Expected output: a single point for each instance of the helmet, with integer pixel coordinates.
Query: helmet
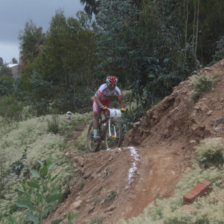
(111, 80)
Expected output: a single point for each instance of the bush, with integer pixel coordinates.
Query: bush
(40, 194)
(202, 83)
(211, 152)
(6, 85)
(11, 108)
(53, 124)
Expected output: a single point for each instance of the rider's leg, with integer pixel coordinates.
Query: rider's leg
(96, 111)
(96, 120)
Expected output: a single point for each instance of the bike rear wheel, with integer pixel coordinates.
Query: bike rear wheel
(92, 144)
(114, 135)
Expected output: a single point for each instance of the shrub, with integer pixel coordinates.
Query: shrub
(6, 85)
(53, 124)
(202, 83)
(211, 152)
(39, 194)
(111, 196)
(11, 108)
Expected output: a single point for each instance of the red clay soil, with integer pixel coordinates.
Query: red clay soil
(119, 184)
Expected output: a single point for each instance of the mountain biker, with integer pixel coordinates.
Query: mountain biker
(101, 101)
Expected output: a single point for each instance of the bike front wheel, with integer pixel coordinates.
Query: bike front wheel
(113, 135)
(92, 144)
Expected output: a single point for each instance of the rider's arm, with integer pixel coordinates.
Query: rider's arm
(118, 91)
(120, 102)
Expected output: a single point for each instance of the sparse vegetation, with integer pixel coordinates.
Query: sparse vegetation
(53, 124)
(211, 152)
(106, 173)
(111, 196)
(81, 184)
(208, 209)
(96, 200)
(202, 82)
(96, 221)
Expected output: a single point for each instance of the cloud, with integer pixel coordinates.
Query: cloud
(14, 14)
(8, 51)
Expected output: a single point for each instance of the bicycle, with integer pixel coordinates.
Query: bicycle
(110, 131)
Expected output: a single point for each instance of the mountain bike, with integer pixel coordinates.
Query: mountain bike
(110, 131)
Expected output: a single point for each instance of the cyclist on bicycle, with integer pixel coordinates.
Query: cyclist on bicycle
(101, 100)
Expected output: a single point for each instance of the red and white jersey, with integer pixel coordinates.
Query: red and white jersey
(105, 91)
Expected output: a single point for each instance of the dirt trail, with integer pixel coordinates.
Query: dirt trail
(118, 184)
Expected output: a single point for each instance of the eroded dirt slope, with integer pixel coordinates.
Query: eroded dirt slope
(119, 184)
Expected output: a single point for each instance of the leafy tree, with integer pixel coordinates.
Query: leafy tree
(145, 47)
(91, 6)
(219, 53)
(31, 42)
(210, 28)
(14, 61)
(63, 70)
(117, 38)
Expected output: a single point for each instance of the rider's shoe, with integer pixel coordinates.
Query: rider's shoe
(96, 137)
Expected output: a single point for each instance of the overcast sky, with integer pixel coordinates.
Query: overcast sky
(15, 13)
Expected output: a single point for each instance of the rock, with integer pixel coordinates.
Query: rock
(77, 204)
(209, 112)
(136, 124)
(68, 154)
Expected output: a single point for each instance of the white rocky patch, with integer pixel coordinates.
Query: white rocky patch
(133, 169)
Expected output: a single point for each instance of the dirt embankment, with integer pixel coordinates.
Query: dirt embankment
(117, 184)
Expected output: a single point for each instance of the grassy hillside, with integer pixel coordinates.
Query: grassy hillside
(23, 143)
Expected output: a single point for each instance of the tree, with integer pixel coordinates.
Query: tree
(91, 6)
(64, 70)
(145, 47)
(116, 37)
(31, 42)
(14, 61)
(5, 70)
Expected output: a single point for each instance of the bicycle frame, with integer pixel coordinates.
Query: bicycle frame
(113, 112)
(110, 131)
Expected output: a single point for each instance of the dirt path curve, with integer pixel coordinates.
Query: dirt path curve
(119, 184)
(159, 171)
